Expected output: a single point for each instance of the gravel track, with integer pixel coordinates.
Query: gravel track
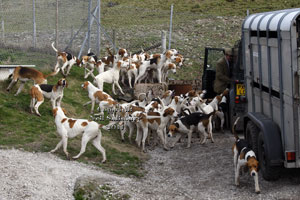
(200, 172)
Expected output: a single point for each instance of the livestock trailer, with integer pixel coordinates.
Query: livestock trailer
(271, 62)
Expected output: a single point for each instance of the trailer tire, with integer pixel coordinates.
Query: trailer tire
(252, 136)
(270, 173)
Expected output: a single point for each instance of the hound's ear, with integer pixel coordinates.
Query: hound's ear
(64, 111)
(165, 113)
(258, 166)
(54, 111)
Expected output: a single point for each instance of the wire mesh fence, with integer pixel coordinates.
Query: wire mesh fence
(124, 24)
(17, 19)
(35, 24)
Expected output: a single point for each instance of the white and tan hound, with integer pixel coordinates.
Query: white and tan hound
(53, 92)
(110, 76)
(244, 156)
(70, 128)
(98, 96)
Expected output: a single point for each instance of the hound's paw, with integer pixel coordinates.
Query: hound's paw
(257, 191)
(75, 157)
(166, 148)
(103, 161)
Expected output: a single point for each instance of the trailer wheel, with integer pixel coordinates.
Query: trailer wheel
(269, 173)
(252, 136)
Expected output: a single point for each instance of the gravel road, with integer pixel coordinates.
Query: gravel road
(201, 172)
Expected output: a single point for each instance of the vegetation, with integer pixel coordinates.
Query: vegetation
(96, 191)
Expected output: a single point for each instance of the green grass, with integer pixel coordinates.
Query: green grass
(104, 192)
(21, 129)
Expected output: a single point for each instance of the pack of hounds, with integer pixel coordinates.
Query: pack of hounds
(160, 117)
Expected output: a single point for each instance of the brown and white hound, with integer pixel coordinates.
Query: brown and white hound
(67, 59)
(70, 128)
(24, 74)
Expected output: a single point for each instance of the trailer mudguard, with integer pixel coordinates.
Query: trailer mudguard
(272, 137)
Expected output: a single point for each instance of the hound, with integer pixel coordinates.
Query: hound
(243, 155)
(222, 109)
(89, 62)
(24, 74)
(156, 62)
(109, 60)
(168, 66)
(53, 92)
(167, 97)
(110, 76)
(67, 59)
(156, 121)
(98, 96)
(132, 72)
(70, 128)
(189, 124)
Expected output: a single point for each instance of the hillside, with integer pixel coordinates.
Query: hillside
(23, 130)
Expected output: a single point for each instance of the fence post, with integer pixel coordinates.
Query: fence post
(98, 28)
(170, 33)
(86, 35)
(89, 24)
(114, 41)
(34, 24)
(2, 22)
(56, 26)
(3, 33)
(72, 35)
(163, 41)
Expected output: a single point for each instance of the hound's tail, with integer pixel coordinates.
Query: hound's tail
(233, 129)
(54, 47)
(51, 74)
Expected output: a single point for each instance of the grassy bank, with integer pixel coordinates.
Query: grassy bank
(23, 130)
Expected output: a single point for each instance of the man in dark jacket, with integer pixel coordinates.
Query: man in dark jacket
(223, 72)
